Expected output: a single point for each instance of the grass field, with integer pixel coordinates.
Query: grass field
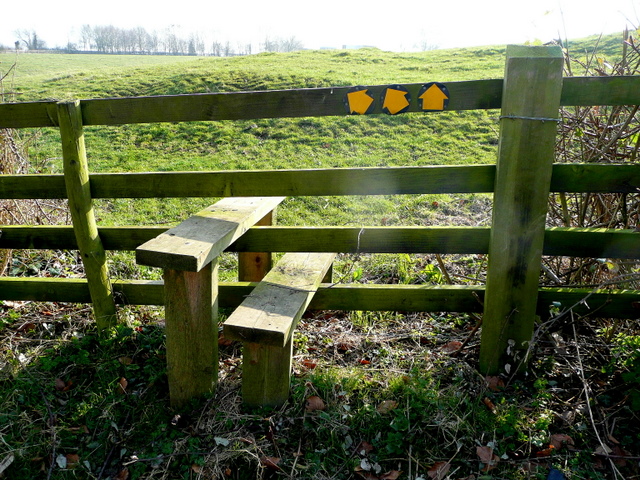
(375, 396)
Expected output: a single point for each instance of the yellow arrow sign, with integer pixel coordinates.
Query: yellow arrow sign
(434, 96)
(395, 100)
(359, 101)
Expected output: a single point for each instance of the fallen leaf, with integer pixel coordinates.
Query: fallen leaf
(195, 468)
(270, 462)
(387, 406)
(489, 404)
(72, 460)
(494, 383)
(620, 453)
(60, 384)
(487, 457)
(314, 403)
(121, 388)
(125, 360)
(364, 448)
(365, 362)
(559, 440)
(366, 474)
(122, 474)
(310, 364)
(546, 452)
(452, 346)
(439, 470)
(391, 475)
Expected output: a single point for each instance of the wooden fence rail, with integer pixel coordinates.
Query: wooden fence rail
(529, 97)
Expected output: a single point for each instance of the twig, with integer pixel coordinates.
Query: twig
(53, 434)
(585, 386)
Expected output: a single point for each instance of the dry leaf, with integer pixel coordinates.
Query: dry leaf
(386, 406)
(364, 448)
(494, 383)
(487, 457)
(439, 470)
(125, 360)
(72, 460)
(366, 474)
(452, 346)
(60, 384)
(559, 440)
(310, 364)
(391, 475)
(195, 468)
(314, 403)
(489, 404)
(122, 474)
(270, 462)
(121, 388)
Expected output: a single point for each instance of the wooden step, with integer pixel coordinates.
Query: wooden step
(265, 322)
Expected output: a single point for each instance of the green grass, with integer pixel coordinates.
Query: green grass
(386, 379)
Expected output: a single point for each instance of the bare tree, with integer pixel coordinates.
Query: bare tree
(31, 39)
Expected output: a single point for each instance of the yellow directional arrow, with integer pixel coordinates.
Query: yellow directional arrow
(395, 100)
(359, 102)
(433, 98)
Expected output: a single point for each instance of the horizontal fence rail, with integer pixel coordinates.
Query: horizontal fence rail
(570, 242)
(569, 178)
(363, 297)
(467, 95)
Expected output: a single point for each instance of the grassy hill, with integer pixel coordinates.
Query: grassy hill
(395, 402)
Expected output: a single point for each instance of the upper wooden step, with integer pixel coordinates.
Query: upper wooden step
(199, 239)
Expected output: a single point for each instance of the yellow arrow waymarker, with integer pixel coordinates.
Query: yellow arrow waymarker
(395, 101)
(434, 97)
(359, 102)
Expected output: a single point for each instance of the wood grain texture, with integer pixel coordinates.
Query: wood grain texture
(402, 298)
(191, 311)
(201, 238)
(532, 89)
(76, 175)
(270, 314)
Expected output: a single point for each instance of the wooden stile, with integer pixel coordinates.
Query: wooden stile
(265, 322)
(188, 253)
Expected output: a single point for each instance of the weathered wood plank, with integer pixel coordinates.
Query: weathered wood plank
(76, 175)
(612, 90)
(531, 97)
(570, 242)
(571, 178)
(265, 322)
(253, 265)
(402, 298)
(467, 95)
(270, 314)
(191, 314)
(202, 237)
(299, 182)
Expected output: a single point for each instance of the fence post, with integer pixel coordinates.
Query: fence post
(191, 310)
(76, 175)
(530, 109)
(253, 266)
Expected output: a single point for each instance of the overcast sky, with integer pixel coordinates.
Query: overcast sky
(391, 25)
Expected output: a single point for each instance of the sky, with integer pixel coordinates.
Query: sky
(401, 25)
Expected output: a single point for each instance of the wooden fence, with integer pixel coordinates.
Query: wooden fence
(529, 96)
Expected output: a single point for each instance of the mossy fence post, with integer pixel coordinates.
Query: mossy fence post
(76, 175)
(528, 125)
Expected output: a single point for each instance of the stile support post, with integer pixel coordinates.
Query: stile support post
(528, 125)
(76, 176)
(253, 266)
